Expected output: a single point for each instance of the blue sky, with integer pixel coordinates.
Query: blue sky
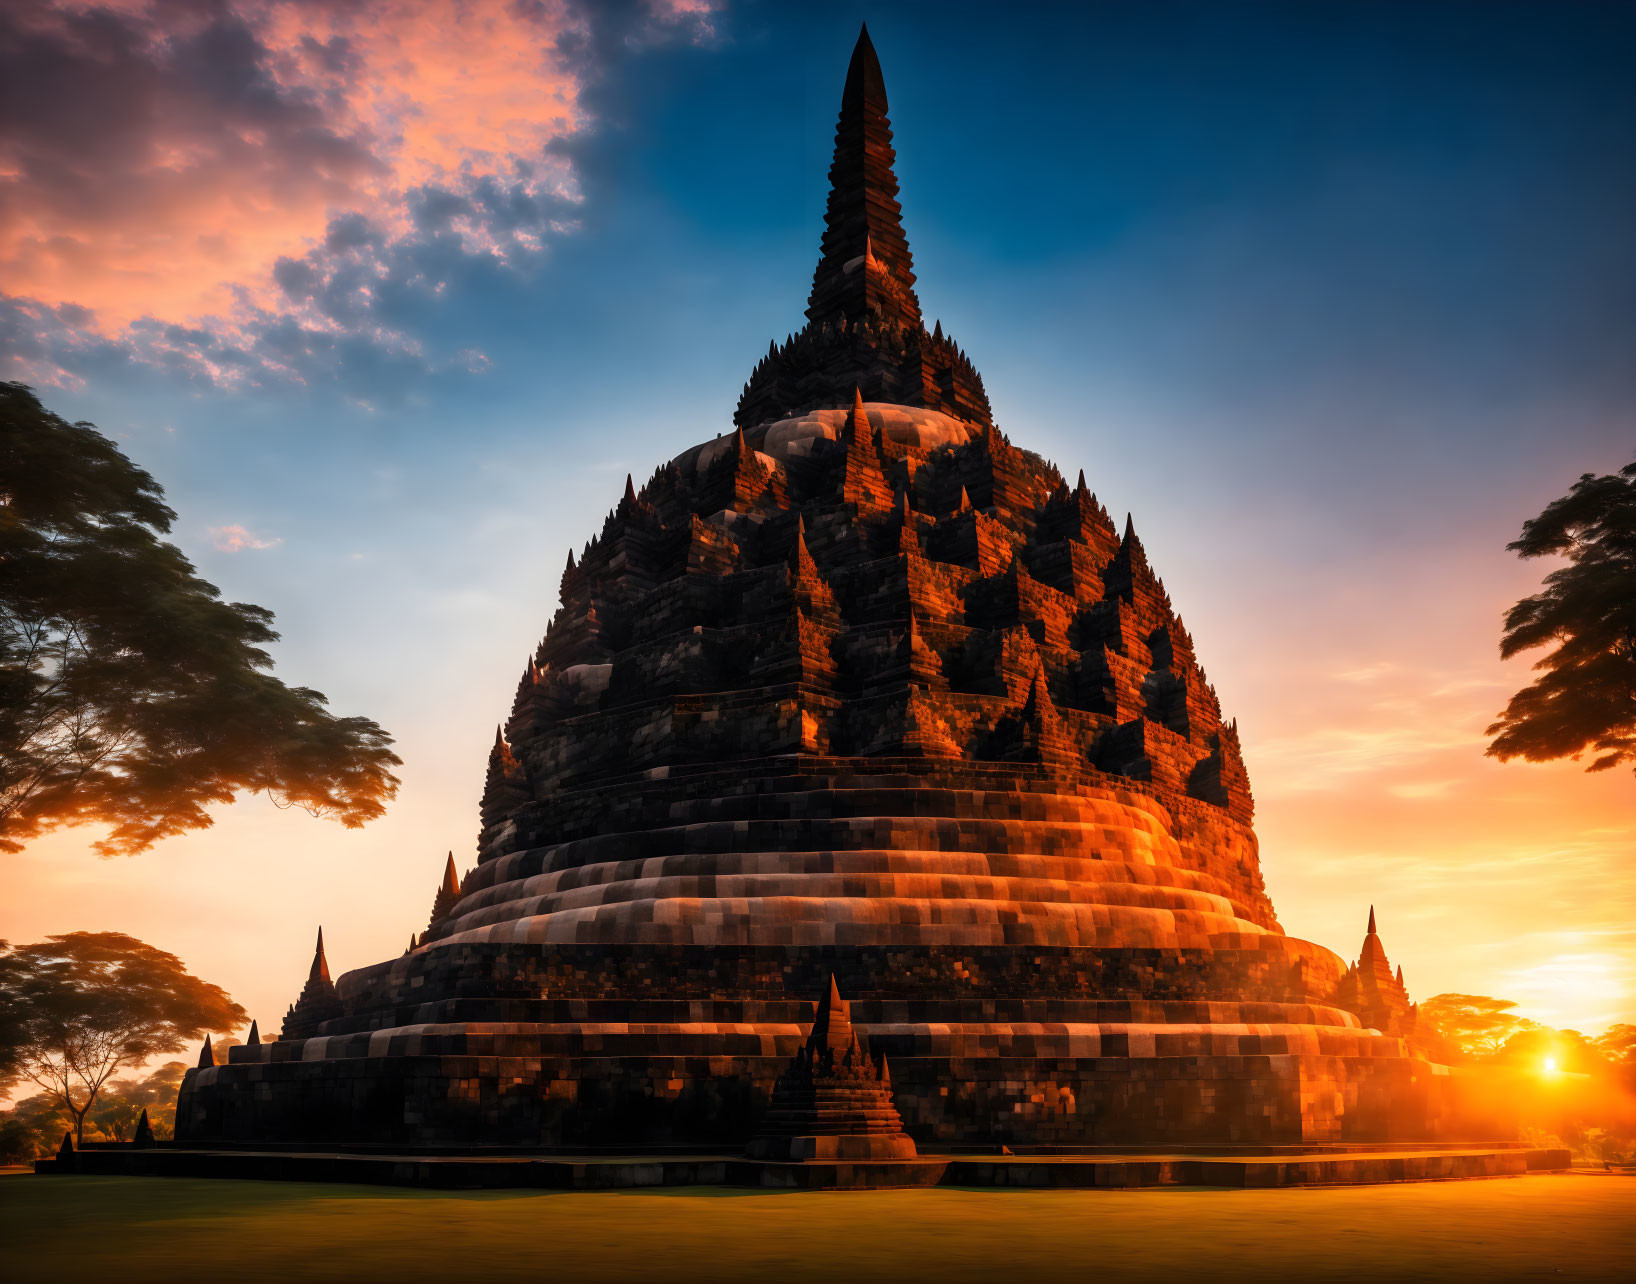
(1331, 296)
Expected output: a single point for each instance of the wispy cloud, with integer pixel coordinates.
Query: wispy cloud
(1585, 991)
(1367, 672)
(235, 539)
(1421, 789)
(1329, 757)
(244, 190)
(1414, 732)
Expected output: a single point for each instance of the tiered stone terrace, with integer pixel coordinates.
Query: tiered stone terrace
(860, 688)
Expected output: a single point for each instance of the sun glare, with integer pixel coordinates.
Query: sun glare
(1550, 1065)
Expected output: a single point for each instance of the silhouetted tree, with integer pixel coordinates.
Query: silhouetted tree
(1585, 696)
(1474, 1024)
(88, 1003)
(129, 692)
(33, 1127)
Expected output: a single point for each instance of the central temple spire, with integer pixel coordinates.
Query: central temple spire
(865, 265)
(864, 332)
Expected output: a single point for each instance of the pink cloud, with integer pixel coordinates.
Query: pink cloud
(172, 153)
(235, 539)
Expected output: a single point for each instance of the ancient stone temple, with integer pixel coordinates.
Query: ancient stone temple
(866, 783)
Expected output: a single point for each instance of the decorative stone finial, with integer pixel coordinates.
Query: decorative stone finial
(832, 1026)
(448, 893)
(320, 964)
(832, 1102)
(253, 1039)
(318, 1001)
(862, 482)
(207, 1054)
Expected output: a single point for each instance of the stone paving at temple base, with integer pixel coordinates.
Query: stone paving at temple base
(1572, 1227)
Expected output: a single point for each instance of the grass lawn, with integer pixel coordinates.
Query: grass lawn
(133, 1229)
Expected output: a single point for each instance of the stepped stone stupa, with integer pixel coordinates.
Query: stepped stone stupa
(860, 738)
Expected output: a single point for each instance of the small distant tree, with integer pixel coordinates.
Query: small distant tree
(1585, 696)
(121, 1102)
(32, 1129)
(1475, 1024)
(89, 1003)
(130, 693)
(1617, 1044)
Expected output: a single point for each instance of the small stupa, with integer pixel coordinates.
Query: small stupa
(319, 1001)
(833, 1102)
(1374, 992)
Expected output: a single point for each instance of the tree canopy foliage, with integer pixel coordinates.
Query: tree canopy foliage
(82, 1005)
(1585, 696)
(1474, 1024)
(33, 1127)
(130, 693)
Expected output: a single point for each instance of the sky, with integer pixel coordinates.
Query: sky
(390, 296)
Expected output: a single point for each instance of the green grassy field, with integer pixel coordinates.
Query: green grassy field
(132, 1229)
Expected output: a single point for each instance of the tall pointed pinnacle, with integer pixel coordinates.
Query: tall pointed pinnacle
(832, 1026)
(318, 1001)
(800, 558)
(1373, 955)
(320, 964)
(864, 267)
(253, 1039)
(1039, 707)
(207, 1055)
(863, 482)
(505, 787)
(448, 893)
(857, 422)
